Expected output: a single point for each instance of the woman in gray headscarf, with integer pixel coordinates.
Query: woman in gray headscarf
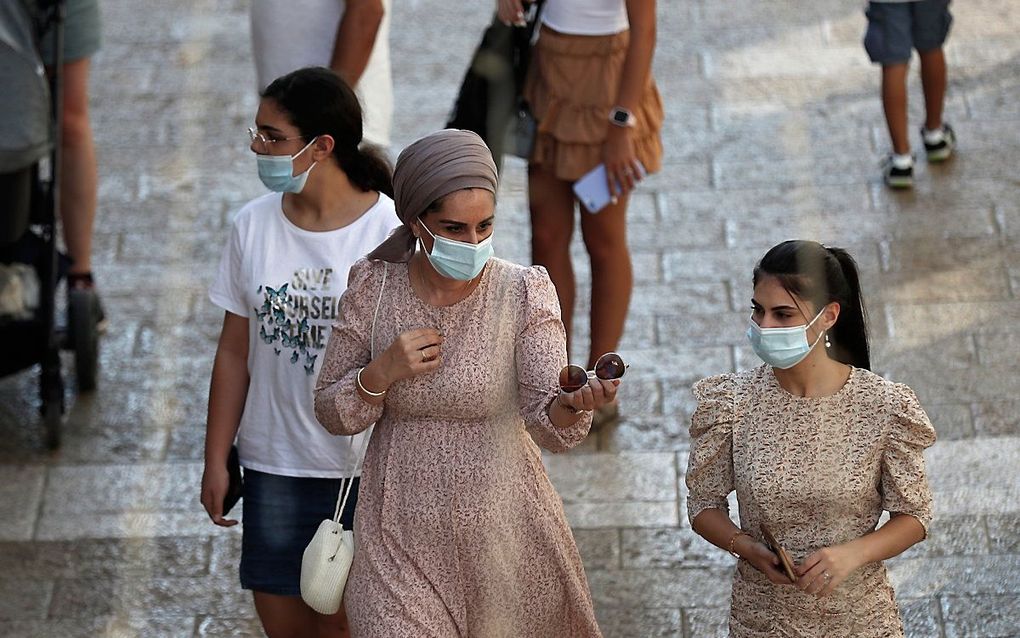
(455, 356)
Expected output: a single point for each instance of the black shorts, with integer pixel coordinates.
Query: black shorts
(895, 28)
(280, 516)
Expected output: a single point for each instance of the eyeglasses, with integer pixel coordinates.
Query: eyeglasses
(609, 366)
(259, 137)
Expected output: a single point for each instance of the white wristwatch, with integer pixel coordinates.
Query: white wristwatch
(622, 117)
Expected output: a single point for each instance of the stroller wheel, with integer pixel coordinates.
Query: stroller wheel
(83, 313)
(53, 414)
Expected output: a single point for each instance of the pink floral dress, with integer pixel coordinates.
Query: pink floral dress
(458, 530)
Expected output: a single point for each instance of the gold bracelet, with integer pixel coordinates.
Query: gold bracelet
(357, 381)
(733, 539)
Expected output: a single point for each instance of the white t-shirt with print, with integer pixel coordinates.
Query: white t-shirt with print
(288, 282)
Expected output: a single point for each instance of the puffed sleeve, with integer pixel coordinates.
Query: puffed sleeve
(338, 405)
(904, 482)
(710, 465)
(541, 353)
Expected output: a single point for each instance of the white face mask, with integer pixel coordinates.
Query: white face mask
(277, 171)
(782, 348)
(457, 259)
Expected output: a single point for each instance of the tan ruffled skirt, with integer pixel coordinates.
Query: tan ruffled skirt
(572, 85)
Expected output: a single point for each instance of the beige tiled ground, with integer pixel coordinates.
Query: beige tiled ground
(774, 130)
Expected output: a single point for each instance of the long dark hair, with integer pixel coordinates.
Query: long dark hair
(824, 274)
(318, 102)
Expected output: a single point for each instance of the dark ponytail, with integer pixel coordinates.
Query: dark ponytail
(823, 275)
(318, 102)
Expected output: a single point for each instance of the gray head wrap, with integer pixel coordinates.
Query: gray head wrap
(433, 167)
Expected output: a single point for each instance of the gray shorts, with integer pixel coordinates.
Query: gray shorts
(82, 32)
(894, 28)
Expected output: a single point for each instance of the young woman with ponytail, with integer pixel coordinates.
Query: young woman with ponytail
(280, 280)
(816, 447)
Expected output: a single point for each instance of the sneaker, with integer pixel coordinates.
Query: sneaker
(896, 177)
(943, 149)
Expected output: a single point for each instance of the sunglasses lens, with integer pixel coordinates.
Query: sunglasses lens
(573, 378)
(610, 366)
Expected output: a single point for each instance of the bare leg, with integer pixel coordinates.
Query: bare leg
(290, 617)
(552, 226)
(79, 180)
(933, 79)
(612, 277)
(894, 101)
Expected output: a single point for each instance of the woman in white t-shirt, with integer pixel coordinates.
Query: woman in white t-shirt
(591, 89)
(280, 280)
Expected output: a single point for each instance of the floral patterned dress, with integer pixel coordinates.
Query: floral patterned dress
(819, 472)
(459, 531)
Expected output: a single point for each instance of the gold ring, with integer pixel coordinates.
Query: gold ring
(827, 575)
(423, 357)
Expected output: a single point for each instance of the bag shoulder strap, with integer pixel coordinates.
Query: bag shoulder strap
(345, 487)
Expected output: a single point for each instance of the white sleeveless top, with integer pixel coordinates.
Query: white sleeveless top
(586, 17)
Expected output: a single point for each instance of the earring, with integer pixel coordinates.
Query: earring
(828, 344)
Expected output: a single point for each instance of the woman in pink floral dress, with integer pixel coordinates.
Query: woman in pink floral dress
(459, 531)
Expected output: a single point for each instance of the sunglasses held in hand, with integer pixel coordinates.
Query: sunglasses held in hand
(609, 366)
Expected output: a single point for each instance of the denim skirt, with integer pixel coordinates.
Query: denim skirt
(279, 518)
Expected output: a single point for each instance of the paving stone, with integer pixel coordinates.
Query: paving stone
(224, 627)
(773, 127)
(670, 548)
(969, 477)
(646, 433)
(607, 478)
(226, 550)
(953, 536)
(1004, 533)
(607, 515)
(984, 383)
(105, 626)
(920, 618)
(954, 576)
(952, 421)
(997, 418)
(708, 622)
(639, 623)
(156, 596)
(998, 348)
(21, 488)
(105, 558)
(22, 599)
(987, 616)
(633, 588)
(600, 548)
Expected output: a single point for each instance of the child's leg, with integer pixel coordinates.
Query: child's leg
(933, 79)
(888, 42)
(929, 29)
(894, 102)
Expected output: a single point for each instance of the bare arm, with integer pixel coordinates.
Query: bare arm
(355, 38)
(618, 153)
(899, 534)
(715, 526)
(227, 393)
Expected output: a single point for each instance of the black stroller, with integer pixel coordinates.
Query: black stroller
(30, 266)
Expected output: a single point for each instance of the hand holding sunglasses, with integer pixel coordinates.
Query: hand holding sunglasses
(585, 390)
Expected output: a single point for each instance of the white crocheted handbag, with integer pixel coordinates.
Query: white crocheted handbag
(328, 557)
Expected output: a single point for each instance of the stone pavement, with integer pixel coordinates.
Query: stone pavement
(774, 131)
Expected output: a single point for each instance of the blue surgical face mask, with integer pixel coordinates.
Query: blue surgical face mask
(277, 171)
(782, 347)
(457, 259)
